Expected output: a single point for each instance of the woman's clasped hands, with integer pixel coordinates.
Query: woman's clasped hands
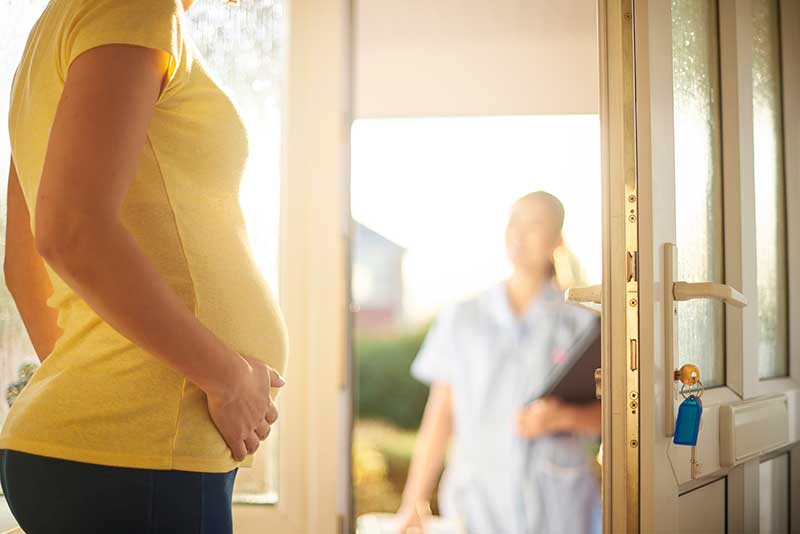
(245, 413)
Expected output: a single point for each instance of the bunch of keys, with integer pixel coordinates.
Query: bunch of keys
(687, 426)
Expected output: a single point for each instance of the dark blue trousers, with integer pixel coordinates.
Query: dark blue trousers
(50, 495)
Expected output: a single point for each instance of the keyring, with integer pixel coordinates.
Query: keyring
(685, 393)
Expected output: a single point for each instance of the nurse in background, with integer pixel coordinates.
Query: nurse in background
(515, 466)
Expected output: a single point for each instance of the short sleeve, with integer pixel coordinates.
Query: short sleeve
(150, 23)
(435, 360)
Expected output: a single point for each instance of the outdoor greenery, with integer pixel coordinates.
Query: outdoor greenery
(386, 390)
(390, 406)
(381, 458)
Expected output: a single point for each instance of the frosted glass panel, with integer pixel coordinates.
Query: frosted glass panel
(244, 46)
(773, 496)
(698, 181)
(770, 193)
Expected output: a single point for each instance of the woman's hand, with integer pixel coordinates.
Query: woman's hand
(542, 416)
(245, 413)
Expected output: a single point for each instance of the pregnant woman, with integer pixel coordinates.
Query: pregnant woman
(128, 258)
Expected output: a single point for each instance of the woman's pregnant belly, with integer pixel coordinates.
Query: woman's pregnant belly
(234, 301)
(232, 296)
(236, 304)
(100, 398)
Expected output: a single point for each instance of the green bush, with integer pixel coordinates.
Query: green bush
(385, 387)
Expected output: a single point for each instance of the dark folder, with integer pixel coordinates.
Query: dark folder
(573, 379)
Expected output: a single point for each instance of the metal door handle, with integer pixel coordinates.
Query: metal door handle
(708, 290)
(589, 297)
(677, 292)
(585, 294)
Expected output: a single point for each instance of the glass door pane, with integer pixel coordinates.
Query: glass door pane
(698, 181)
(769, 191)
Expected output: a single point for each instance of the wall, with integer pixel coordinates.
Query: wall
(475, 57)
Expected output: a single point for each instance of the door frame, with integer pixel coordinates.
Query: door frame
(620, 325)
(314, 450)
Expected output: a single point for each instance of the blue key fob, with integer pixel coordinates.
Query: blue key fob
(688, 424)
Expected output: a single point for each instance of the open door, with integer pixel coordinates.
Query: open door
(700, 119)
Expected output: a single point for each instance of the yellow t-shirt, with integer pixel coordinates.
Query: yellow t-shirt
(98, 397)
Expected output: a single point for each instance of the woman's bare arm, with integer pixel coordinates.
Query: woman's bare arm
(429, 449)
(25, 274)
(96, 140)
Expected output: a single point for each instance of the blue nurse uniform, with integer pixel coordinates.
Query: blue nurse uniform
(495, 481)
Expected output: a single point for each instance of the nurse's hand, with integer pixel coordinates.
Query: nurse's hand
(245, 413)
(541, 417)
(408, 521)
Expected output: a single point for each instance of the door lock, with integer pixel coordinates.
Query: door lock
(586, 297)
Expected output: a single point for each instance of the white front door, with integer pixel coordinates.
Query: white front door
(702, 262)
